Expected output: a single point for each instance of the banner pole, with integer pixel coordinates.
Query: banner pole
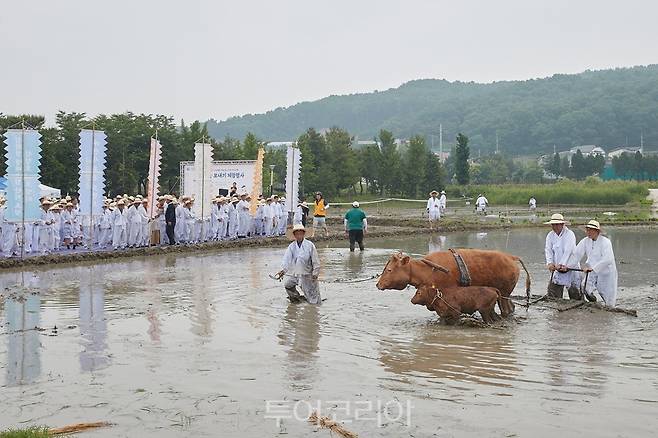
(23, 189)
(91, 188)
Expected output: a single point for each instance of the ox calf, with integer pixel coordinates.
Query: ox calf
(450, 303)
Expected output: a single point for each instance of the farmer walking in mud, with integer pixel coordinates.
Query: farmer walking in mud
(301, 265)
(599, 263)
(560, 243)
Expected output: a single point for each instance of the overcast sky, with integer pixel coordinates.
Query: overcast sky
(197, 59)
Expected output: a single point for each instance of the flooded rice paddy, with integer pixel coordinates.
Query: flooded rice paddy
(208, 346)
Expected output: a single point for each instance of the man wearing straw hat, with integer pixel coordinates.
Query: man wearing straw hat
(44, 227)
(560, 243)
(443, 202)
(120, 225)
(433, 209)
(301, 263)
(599, 264)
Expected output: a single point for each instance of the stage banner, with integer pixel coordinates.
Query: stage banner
(222, 176)
(293, 169)
(257, 187)
(203, 190)
(23, 153)
(153, 189)
(93, 148)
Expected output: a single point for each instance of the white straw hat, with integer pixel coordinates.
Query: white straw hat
(557, 218)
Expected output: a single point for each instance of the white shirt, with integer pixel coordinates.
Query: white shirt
(301, 260)
(120, 217)
(433, 204)
(481, 201)
(558, 249)
(443, 200)
(599, 255)
(532, 203)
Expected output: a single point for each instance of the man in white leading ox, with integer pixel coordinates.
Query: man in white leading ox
(599, 263)
(560, 243)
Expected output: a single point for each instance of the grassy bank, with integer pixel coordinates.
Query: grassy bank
(30, 432)
(592, 191)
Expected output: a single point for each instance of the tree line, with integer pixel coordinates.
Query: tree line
(608, 108)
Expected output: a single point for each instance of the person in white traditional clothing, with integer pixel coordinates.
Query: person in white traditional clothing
(244, 218)
(134, 224)
(270, 217)
(433, 209)
(44, 227)
(481, 204)
(560, 243)
(105, 227)
(259, 218)
(57, 227)
(119, 226)
(233, 218)
(282, 222)
(599, 263)
(301, 265)
(443, 202)
(145, 234)
(222, 218)
(68, 225)
(532, 204)
(160, 221)
(214, 219)
(190, 220)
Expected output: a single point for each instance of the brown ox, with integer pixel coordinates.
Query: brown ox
(439, 269)
(450, 303)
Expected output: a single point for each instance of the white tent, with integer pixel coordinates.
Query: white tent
(50, 192)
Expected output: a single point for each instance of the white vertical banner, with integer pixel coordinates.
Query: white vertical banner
(153, 189)
(293, 170)
(203, 191)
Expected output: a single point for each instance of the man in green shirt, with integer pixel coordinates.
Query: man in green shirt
(355, 225)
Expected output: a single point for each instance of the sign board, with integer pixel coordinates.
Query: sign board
(222, 176)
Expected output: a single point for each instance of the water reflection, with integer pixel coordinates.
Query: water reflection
(93, 327)
(23, 341)
(300, 331)
(453, 354)
(437, 243)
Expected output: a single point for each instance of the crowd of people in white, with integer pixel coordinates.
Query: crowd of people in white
(128, 222)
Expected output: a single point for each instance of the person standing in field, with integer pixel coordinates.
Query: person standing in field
(356, 226)
(532, 204)
(599, 263)
(320, 213)
(433, 209)
(443, 202)
(481, 204)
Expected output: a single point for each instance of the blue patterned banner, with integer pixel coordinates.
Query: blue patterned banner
(23, 160)
(92, 171)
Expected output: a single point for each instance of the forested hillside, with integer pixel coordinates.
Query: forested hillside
(608, 108)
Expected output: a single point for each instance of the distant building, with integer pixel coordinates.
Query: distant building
(616, 153)
(588, 150)
(443, 156)
(279, 144)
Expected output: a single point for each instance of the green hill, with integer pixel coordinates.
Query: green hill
(607, 108)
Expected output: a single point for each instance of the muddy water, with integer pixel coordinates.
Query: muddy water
(208, 346)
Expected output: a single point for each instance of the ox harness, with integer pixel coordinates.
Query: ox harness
(464, 276)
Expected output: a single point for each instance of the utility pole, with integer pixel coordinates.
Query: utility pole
(641, 142)
(441, 142)
(497, 150)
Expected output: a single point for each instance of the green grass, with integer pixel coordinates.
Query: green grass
(29, 432)
(592, 191)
